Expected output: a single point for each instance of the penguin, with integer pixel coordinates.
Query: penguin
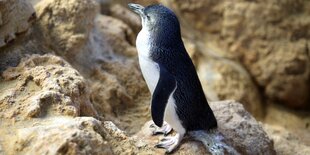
(178, 101)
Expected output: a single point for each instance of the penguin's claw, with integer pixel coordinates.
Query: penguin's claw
(152, 125)
(169, 143)
(165, 129)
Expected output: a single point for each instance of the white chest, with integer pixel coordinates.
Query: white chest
(149, 68)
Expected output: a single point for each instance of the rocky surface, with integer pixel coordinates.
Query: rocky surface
(62, 135)
(16, 16)
(66, 37)
(73, 83)
(286, 142)
(221, 80)
(43, 85)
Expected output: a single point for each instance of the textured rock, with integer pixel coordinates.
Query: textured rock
(16, 16)
(294, 121)
(269, 37)
(117, 34)
(226, 79)
(62, 136)
(285, 142)
(66, 36)
(277, 42)
(41, 86)
(127, 16)
(116, 79)
(239, 129)
(99, 47)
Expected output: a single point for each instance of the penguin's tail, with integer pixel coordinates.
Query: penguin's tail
(213, 141)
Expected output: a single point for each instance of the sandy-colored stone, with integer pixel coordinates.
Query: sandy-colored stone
(41, 86)
(54, 135)
(225, 79)
(294, 121)
(117, 82)
(62, 135)
(66, 24)
(127, 16)
(276, 57)
(285, 142)
(16, 17)
(117, 34)
(241, 129)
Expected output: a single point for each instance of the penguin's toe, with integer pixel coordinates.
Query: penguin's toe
(169, 143)
(165, 129)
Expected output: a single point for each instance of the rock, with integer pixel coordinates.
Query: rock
(285, 142)
(66, 37)
(269, 38)
(62, 136)
(239, 129)
(277, 62)
(288, 69)
(16, 17)
(116, 78)
(41, 86)
(105, 6)
(225, 79)
(100, 48)
(294, 121)
(117, 34)
(127, 16)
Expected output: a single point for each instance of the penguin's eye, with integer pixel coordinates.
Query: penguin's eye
(148, 17)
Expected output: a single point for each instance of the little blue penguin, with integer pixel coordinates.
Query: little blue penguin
(178, 101)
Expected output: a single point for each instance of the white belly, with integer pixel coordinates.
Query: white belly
(149, 68)
(150, 72)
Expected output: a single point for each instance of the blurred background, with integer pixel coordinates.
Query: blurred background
(256, 52)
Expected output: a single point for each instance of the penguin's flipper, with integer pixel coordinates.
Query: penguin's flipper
(164, 88)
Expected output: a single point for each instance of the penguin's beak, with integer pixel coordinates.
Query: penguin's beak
(139, 9)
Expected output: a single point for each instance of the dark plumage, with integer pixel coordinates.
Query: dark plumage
(167, 49)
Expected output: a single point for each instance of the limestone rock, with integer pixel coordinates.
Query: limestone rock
(66, 24)
(239, 129)
(16, 16)
(117, 34)
(117, 82)
(62, 135)
(127, 16)
(225, 79)
(294, 121)
(40, 86)
(285, 142)
(273, 46)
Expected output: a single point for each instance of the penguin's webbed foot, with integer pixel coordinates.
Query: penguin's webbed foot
(165, 129)
(170, 143)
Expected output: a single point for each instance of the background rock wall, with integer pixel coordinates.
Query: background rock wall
(70, 75)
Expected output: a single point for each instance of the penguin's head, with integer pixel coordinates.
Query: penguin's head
(158, 19)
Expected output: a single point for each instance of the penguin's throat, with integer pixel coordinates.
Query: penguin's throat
(144, 43)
